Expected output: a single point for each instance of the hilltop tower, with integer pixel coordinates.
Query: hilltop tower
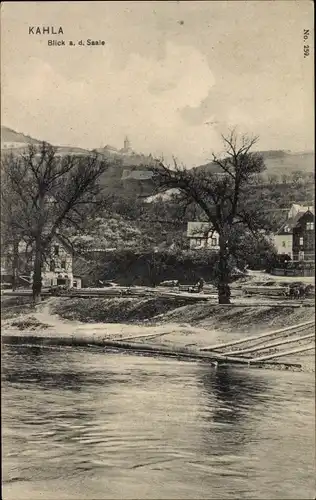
(127, 146)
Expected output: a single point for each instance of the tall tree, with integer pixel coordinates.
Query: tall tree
(13, 229)
(50, 191)
(224, 195)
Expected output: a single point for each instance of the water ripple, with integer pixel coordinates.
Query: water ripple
(84, 424)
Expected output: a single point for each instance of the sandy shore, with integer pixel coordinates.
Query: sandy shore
(192, 326)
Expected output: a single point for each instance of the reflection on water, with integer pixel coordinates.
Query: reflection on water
(85, 424)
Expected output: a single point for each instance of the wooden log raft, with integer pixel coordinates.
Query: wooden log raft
(271, 344)
(281, 354)
(255, 337)
(158, 350)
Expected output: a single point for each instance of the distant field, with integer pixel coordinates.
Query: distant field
(279, 162)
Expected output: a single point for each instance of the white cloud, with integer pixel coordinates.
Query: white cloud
(110, 102)
(152, 67)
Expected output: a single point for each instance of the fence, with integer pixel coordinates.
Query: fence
(295, 268)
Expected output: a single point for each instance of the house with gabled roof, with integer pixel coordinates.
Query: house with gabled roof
(202, 235)
(57, 266)
(296, 236)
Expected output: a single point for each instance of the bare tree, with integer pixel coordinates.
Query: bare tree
(224, 196)
(50, 191)
(13, 229)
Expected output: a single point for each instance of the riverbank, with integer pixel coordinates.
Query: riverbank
(245, 317)
(152, 321)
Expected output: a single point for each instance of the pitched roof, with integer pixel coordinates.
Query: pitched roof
(288, 225)
(198, 229)
(296, 208)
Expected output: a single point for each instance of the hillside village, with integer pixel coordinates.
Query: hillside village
(155, 231)
(157, 250)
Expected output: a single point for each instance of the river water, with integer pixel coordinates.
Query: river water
(87, 424)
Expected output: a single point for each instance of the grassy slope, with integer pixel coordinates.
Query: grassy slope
(242, 319)
(14, 306)
(115, 310)
(138, 310)
(195, 325)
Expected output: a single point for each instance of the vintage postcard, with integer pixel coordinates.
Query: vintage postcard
(158, 250)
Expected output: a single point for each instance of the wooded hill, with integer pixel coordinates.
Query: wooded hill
(131, 176)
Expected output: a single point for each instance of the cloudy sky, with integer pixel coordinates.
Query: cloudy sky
(171, 75)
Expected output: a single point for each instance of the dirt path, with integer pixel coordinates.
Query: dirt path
(192, 326)
(43, 322)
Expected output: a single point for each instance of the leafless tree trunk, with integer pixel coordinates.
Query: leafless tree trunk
(37, 271)
(223, 194)
(223, 271)
(15, 263)
(51, 192)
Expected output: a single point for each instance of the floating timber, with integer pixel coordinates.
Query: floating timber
(281, 354)
(272, 344)
(260, 336)
(255, 344)
(144, 349)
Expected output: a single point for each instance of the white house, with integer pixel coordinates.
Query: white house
(283, 242)
(57, 268)
(202, 235)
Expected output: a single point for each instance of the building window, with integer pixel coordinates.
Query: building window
(63, 264)
(56, 250)
(283, 244)
(301, 240)
(213, 242)
(310, 226)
